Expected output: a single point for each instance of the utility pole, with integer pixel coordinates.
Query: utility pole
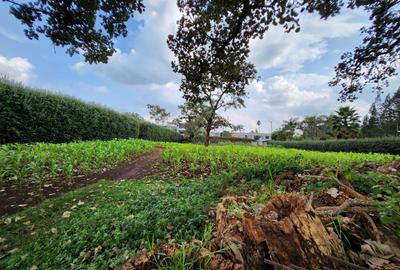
(271, 128)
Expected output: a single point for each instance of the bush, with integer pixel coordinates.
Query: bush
(388, 145)
(28, 115)
(153, 132)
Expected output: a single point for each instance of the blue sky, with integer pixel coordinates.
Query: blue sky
(294, 68)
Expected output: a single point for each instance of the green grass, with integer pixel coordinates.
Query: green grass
(116, 216)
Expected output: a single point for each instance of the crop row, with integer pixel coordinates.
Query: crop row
(389, 145)
(40, 161)
(257, 161)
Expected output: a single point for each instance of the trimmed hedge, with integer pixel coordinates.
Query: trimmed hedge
(387, 145)
(149, 131)
(28, 115)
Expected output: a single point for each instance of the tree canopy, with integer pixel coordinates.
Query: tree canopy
(86, 27)
(346, 123)
(383, 118)
(158, 114)
(239, 21)
(195, 116)
(214, 76)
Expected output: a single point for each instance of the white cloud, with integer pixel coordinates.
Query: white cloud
(145, 68)
(290, 51)
(100, 89)
(279, 98)
(10, 35)
(149, 59)
(17, 69)
(168, 93)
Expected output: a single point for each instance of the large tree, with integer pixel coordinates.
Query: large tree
(316, 127)
(158, 114)
(214, 76)
(377, 58)
(346, 123)
(195, 116)
(87, 27)
(371, 126)
(287, 130)
(372, 62)
(383, 118)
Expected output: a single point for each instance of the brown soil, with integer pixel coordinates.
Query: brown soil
(14, 198)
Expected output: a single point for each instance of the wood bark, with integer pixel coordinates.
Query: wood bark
(286, 231)
(292, 232)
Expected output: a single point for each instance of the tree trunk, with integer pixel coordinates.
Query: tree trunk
(207, 138)
(208, 130)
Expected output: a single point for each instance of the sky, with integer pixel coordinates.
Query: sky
(293, 69)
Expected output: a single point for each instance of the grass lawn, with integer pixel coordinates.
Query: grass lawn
(98, 226)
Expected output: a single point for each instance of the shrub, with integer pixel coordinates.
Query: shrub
(149, 131)
(388, 145)
(28, 115)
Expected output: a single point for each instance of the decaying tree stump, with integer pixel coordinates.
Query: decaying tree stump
(286, 230)
(292, 232)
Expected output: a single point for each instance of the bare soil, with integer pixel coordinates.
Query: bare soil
(14, 198)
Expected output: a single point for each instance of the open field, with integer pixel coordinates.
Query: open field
(108, 223)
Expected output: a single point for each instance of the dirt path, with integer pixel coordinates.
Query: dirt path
(14, 199)
(134, 169)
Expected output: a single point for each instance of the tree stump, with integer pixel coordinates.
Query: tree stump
(292, 233)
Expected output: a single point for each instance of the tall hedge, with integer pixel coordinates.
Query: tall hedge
(388, 145)
(149, 131)
(28, 115)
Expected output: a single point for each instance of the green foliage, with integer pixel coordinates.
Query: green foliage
(383, 118)
(27, 115)
(386, 191)
(346, 123)
(188, 256)
(87, 27)
(287, 131)
(150, 131)
(214, 77)
(158, 114)
(111, 221)
(387, 145)
(250, 162)
(317, 127)
(115, 216)
(41, 162)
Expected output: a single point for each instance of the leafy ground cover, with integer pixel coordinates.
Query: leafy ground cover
(102, 225)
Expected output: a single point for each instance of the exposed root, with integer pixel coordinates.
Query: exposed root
(336, 210)
(375, 230)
